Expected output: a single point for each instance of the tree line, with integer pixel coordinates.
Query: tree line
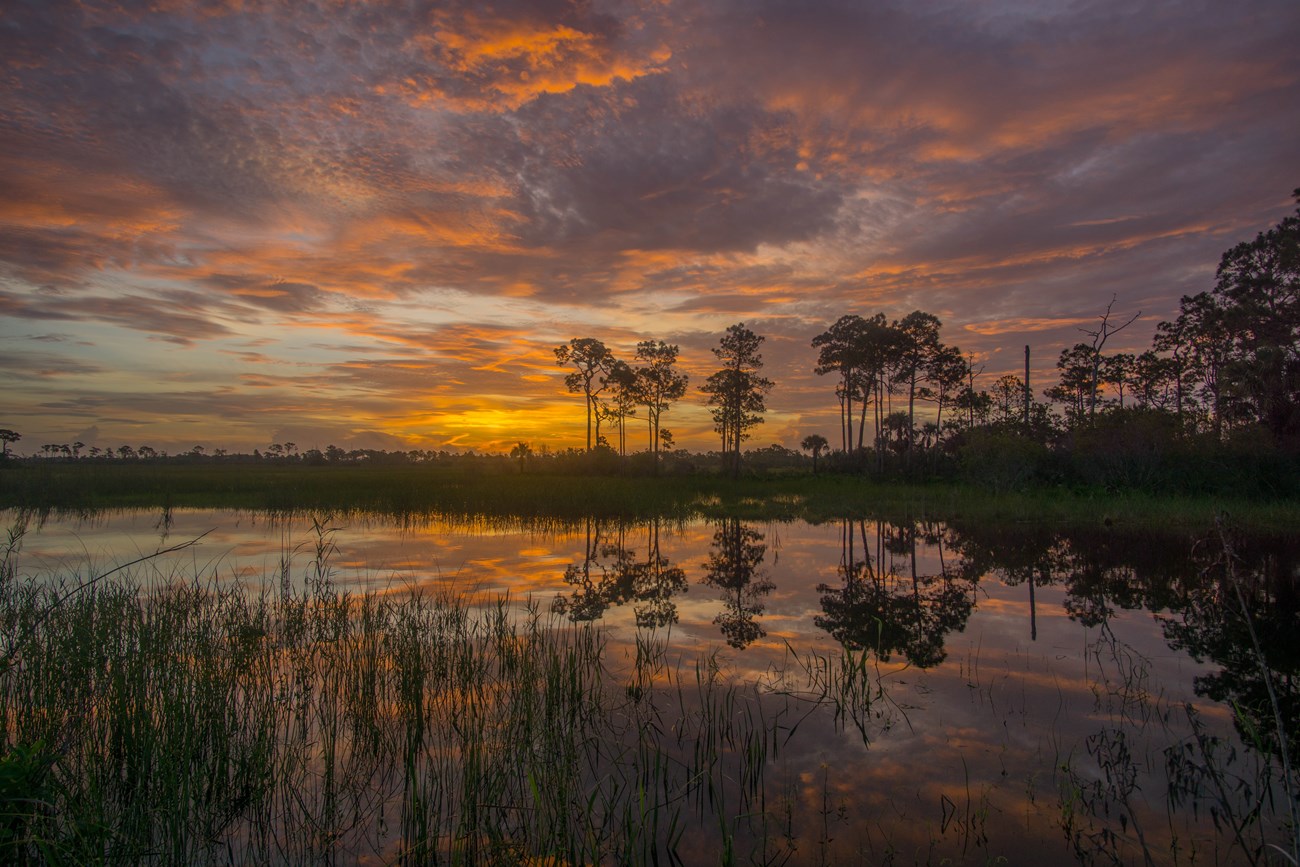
(1222, 375)
(613, 389)
(1225, 372)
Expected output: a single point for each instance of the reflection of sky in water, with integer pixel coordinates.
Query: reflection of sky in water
(967, 747)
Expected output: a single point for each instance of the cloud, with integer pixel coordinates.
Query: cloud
(516, 53)
(277, 295)
(38, 366)
(398, 208)
(182, 321)
(996, 327)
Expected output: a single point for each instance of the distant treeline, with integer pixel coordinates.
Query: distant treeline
(544, 460)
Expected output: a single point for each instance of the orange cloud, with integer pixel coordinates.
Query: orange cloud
(994, 327)
(521, 59)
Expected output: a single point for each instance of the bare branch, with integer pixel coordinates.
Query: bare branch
(1102, 334)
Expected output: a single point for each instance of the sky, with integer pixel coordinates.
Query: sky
(232, 223)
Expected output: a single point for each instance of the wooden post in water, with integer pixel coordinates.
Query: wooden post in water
(1033, 609)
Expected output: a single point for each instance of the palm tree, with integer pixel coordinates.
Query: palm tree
(814, 443)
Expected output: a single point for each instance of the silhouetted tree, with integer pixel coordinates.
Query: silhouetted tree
(1118, 371)
(658, 385)
(975, 404)
(947, 371)
(1008, 394)
(842, 350)
(1157, 381)
(1103, 332)
(6, 437)
(814, 443)
(623, 398)
(1200, 335)
(594, 362)
(1076, 388)
(917, 346)
(1258, 287)
(736, 392)
(521, 452)
(1170, 337)
(895, 430)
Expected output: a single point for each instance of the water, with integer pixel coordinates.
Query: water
(1025, 694)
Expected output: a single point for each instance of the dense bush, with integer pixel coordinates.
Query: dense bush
(1000, 460)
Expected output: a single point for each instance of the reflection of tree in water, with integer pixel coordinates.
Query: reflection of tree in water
(1024, 555)
(732, 567)
(1211, 625)
(1101, 569)
(656, 583)
(879, 610)
(611, 575)
(1106, 569)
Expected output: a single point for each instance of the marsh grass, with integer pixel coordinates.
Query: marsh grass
(414, 491)
(192, 721)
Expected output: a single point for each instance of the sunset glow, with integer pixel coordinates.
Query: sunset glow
(231, 224)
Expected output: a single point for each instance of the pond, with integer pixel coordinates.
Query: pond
(654, 692)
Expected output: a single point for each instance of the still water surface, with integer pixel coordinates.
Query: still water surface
(1034, 694)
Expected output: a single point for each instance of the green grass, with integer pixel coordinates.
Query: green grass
(412, 490)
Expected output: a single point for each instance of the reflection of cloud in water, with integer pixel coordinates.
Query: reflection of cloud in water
(967, 730)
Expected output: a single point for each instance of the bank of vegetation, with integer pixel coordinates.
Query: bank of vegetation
(492, 489)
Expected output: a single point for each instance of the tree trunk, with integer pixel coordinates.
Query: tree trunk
(589, 402)
(911, 413)
(862, 423)
(1027, 391)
